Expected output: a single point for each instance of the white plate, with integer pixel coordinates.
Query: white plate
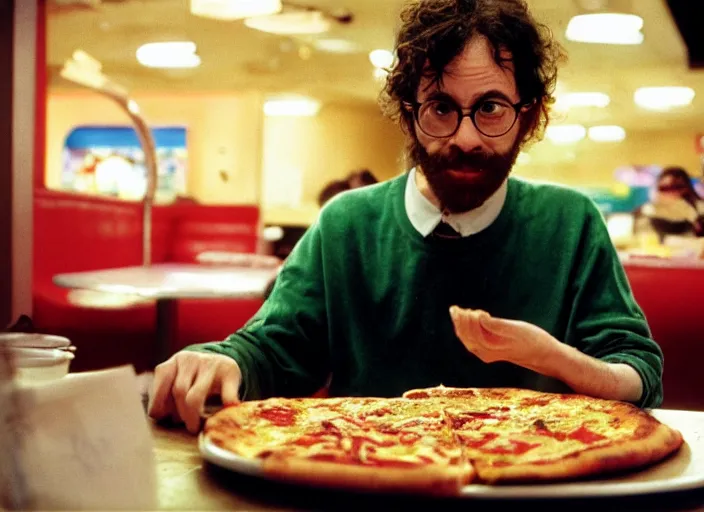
(683, 471)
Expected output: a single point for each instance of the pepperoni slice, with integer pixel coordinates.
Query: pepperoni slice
(478, 443)
(586, 436)
(279, 416)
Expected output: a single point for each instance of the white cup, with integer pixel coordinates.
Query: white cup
(38, 357)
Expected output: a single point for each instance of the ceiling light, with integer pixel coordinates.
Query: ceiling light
(336, 46)
(234, 9)
(663, 98)
(582, 99)
(381, 59)
(291, 107)
(566, 134)
(294, 22)
(606, 28)
(176, 54)
(607, 133)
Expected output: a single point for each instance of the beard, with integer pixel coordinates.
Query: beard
(463, 181)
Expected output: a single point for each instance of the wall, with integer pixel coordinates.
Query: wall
(224, 134)
(301, 155)
(284, 162)
(591, 164)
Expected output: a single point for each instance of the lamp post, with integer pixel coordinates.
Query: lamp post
(83, 70)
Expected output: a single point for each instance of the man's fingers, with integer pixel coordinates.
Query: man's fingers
(466, 325)
(196, 396)
(164, 375)
(185, 376)
(498, 326)
(184, 382)
(230, 385)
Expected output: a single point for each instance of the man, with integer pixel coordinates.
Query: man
(452, 273)
(676, 208)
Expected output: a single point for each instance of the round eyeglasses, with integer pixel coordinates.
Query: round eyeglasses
(441, 118)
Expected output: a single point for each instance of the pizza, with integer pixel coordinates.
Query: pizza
(438, 440)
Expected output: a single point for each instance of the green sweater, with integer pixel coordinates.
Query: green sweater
(365, 297)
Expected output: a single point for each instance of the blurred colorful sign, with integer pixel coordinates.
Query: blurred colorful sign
(108, 160)
(617, 199)
(638, 175)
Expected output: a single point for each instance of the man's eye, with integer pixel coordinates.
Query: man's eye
(492, 108)
(442, 109)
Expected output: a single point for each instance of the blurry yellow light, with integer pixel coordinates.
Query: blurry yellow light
(234, 9)
(566, 134)
(582, 99)
(607, 133)
(663, 98)
(381, 58)
(168, 55)
(606, 28)
(523, 158)
(291, 107)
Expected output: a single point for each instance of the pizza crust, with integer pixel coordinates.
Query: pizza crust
(438, 480)
(629, 454)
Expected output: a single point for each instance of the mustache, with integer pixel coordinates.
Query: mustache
(458, 159)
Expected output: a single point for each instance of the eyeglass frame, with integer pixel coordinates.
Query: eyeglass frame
(415, 107)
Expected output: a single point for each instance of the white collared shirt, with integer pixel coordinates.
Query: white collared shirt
(425, 216)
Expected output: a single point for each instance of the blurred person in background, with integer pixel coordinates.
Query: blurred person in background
(331, 190)
(356, 179)
(361, 178)
(675, 209)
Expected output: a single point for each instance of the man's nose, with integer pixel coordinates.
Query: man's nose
(467, 138)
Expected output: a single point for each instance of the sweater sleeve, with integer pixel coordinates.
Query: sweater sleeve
(605, 320)
(283, 349)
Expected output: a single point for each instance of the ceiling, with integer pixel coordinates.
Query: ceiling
(235, 57)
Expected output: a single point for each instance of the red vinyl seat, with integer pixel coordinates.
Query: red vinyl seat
(670, 295)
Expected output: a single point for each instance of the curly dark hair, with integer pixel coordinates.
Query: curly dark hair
(434, 32)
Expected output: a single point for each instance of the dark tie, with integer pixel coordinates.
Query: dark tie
(444, 230)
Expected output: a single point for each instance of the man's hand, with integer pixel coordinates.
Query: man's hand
(494, 339)
(183, 383)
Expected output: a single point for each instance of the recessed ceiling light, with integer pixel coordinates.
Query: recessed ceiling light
(566, 134)
(582, 99)
(382, 59)
(606, 28)
(234, 9)
(336, 45)
(168, 55)
(607, 133)
(291, 106)
(663, 98)
(288, 23)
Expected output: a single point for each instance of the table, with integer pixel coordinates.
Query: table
(238, 258)
(186, 483)
(165, 283)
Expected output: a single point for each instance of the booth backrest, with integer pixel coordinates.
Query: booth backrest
(671, 295)
(74, 233)
(196, 229)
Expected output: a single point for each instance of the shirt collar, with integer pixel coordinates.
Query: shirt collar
(425, 216)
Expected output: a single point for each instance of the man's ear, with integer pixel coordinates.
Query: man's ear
(530, 117)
